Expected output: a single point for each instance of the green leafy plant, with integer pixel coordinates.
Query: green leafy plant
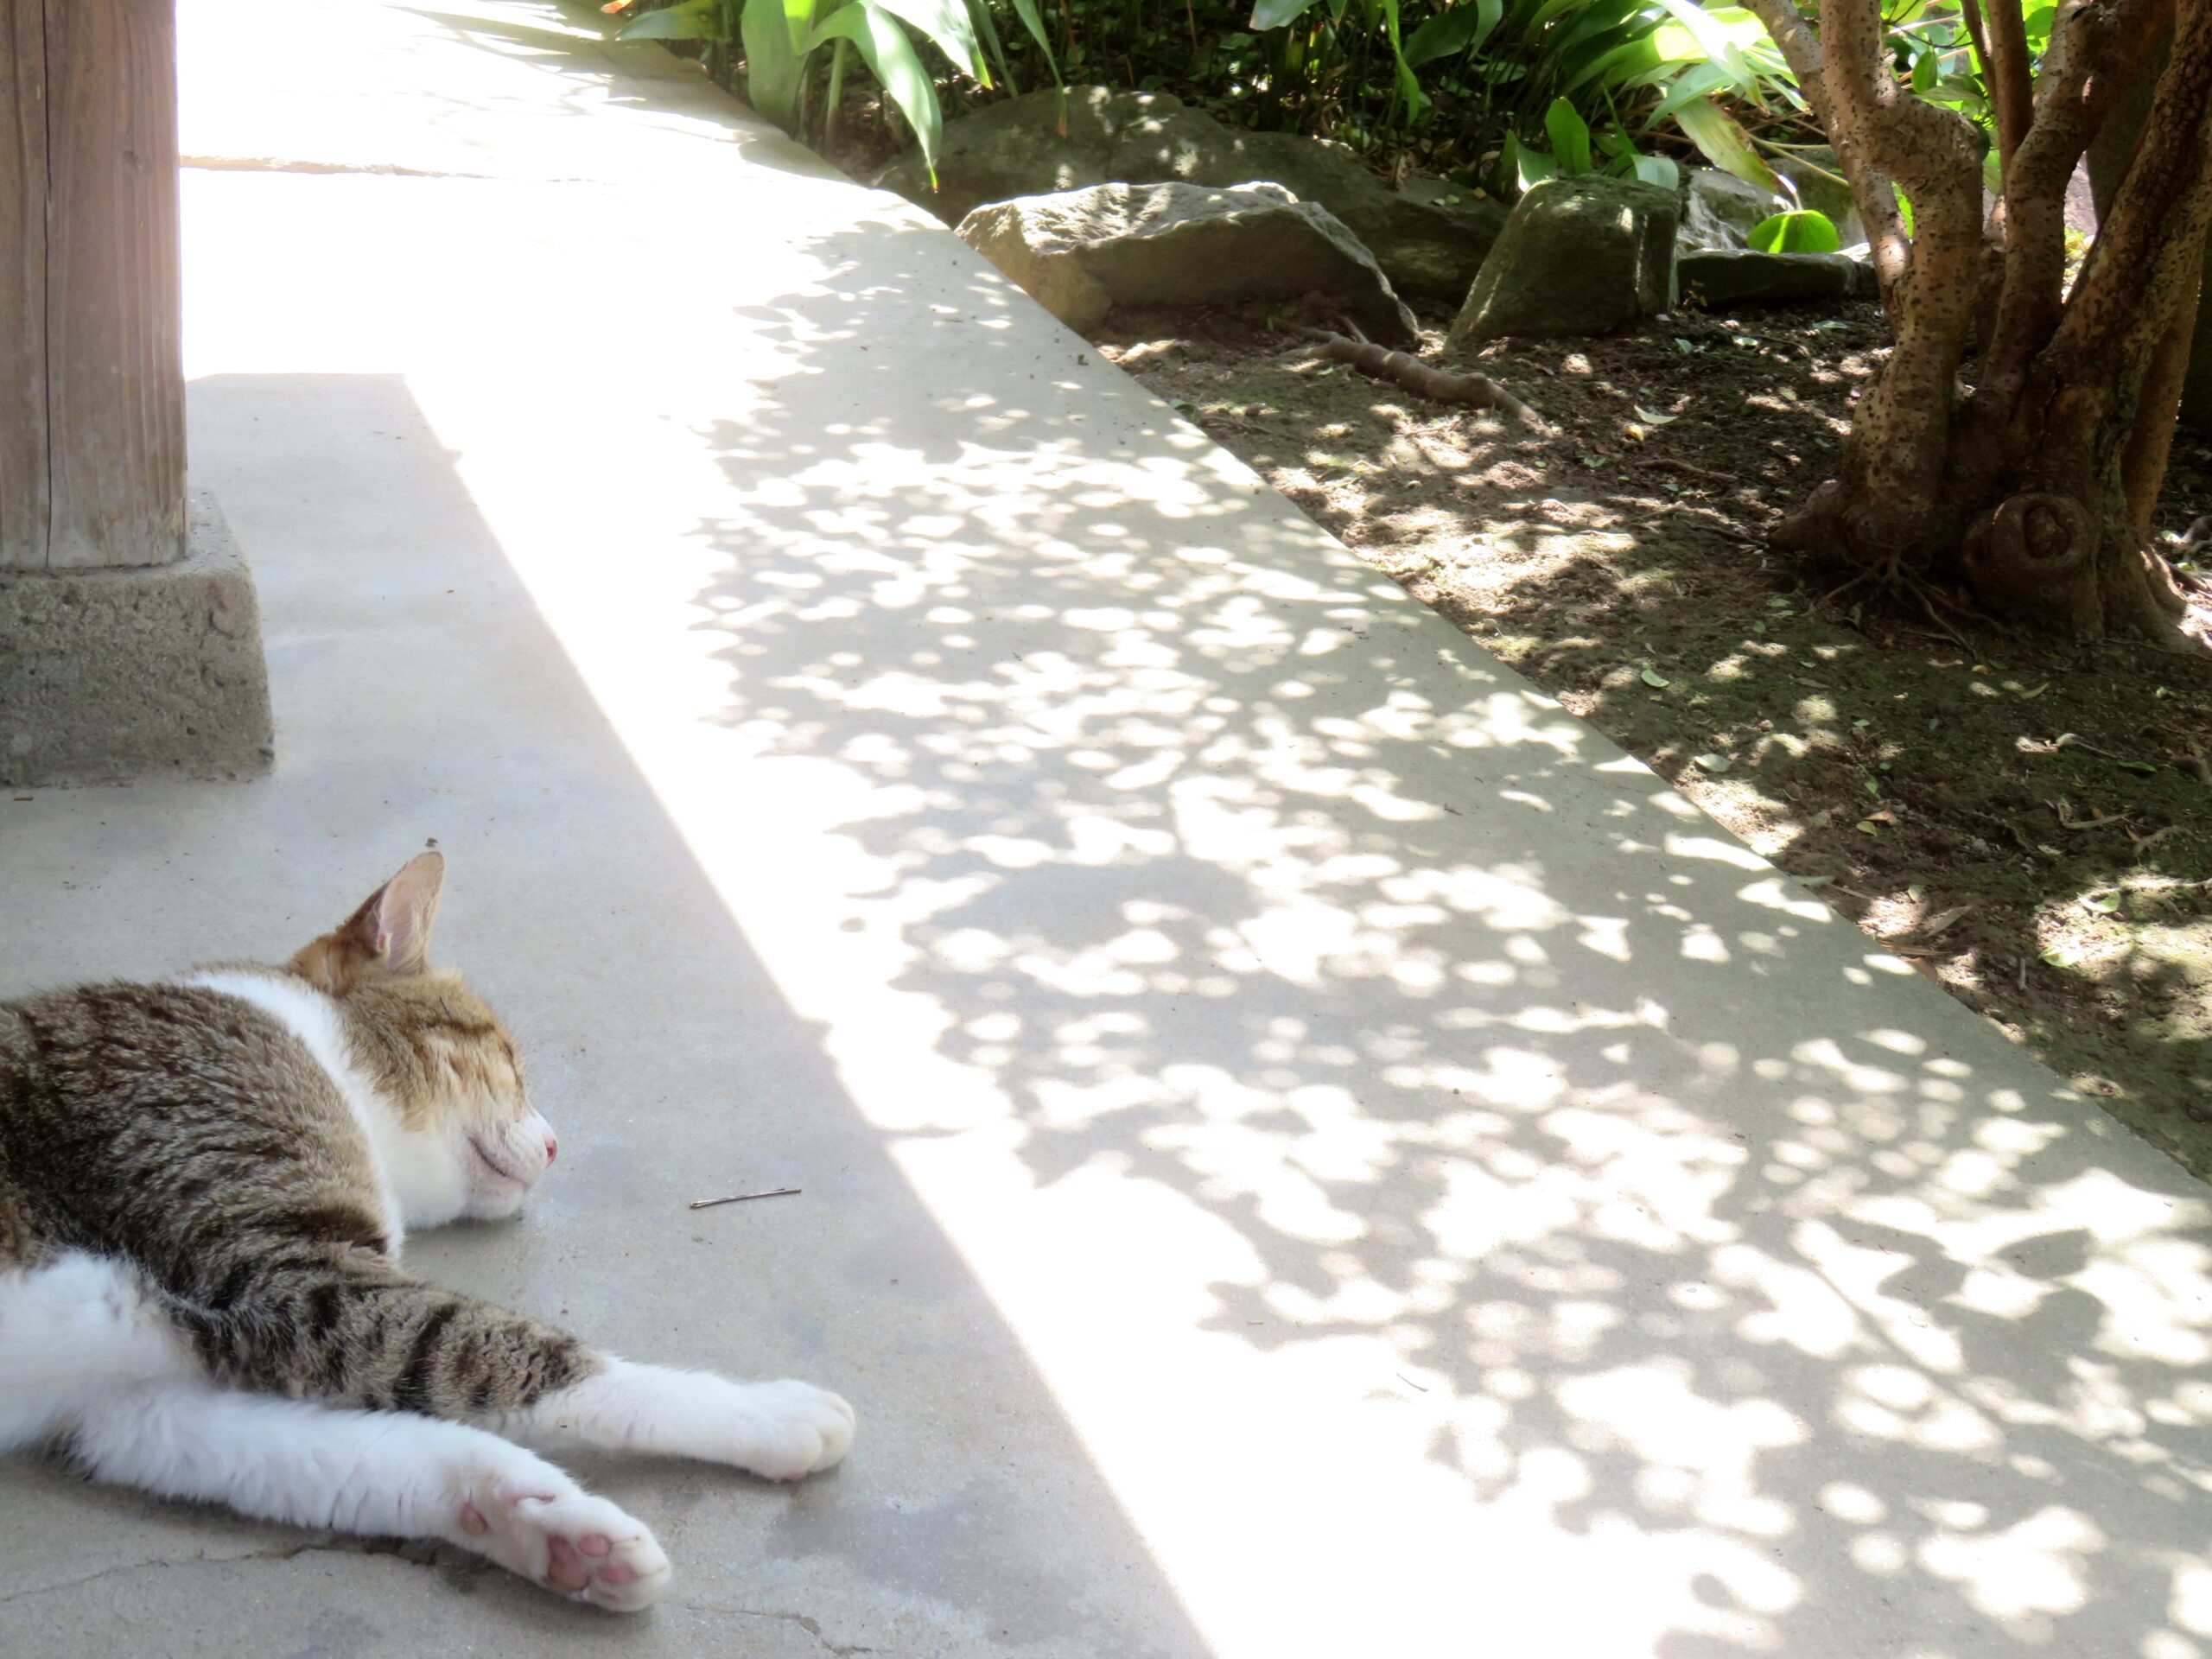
(1796, 232)
(1571, 156)
(783, 41)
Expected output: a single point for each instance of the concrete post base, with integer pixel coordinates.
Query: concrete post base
(107, 676)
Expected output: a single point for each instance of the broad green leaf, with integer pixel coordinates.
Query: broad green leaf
(1273, 13)
(1463, 28)
(771, 63)
(1033, 22)
(1661, 170)
(946, 22)
(1993, 171)
(1527, 167)
(1904, 206)
(1804, 232)
(1694, 82)
(1624, 67)
(987, 31)
(1570, 136)
(892, 55)
(1719, 49)
(1723, 144)
(694, 22)
(1409, 92)
(1927, 68)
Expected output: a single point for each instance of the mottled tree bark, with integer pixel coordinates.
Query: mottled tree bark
(2032, 488)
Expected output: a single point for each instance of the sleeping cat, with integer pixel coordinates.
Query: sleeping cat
(203, 1188)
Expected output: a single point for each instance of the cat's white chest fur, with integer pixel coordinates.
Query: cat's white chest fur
(418, 1177)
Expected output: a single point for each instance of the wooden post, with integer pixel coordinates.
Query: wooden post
(92, 367)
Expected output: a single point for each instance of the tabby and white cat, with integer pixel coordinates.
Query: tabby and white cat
(203, 1188)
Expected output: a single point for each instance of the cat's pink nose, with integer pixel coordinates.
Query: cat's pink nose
(552, 1147)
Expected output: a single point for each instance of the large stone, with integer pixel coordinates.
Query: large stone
(1579, 257)
(1080, 253)
(1720, 211)
(1737, 277)
(107, 676)
(1018, 148)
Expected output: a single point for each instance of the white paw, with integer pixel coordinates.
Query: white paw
(560, 1536)
(788, 1430)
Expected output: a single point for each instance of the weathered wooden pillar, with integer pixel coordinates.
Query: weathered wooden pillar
(130, 640)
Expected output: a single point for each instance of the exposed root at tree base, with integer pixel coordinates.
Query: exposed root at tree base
(2037, 557)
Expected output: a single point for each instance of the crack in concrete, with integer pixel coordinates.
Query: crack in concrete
(812, 1626)
(335, 1544)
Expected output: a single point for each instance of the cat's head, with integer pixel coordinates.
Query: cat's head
(469, 1142)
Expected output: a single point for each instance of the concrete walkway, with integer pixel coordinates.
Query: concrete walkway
(1305, 1149)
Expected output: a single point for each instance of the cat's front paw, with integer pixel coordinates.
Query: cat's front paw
(787, 1430)
(558, 1535)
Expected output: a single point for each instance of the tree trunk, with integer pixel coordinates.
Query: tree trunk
(2031, 491)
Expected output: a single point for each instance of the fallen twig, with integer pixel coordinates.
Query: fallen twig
(1415, 376)
(1705, 473)
(739, 1198)
(1724, 530)
(2063, 810)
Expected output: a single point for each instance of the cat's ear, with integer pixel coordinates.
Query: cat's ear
(389, 934)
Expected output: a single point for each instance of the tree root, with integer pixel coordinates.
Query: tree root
(2049, 554)
(1437, 385)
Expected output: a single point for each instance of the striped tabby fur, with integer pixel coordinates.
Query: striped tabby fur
(204, 1188)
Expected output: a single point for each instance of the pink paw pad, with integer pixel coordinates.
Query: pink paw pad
(573, 1543)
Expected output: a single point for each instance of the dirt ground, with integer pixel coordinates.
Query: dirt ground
(2029, 824)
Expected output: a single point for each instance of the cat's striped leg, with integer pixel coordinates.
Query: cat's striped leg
(365, 1333)
(781, 1430)
(374, 1473)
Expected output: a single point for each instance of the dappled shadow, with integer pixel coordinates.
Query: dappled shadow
(2020, 819)
(1458, 1198)
(1739, 1279)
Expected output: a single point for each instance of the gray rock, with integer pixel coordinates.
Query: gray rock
(1079, 253)
(1720, 211)
(1018, 148)
(1719, 279)
(1578, 256)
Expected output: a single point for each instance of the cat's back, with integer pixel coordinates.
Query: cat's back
(131, 1112)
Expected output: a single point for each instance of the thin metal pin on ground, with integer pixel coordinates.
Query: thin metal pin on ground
(739, 1198)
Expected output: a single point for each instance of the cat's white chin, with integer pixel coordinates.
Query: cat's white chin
(502, 1167)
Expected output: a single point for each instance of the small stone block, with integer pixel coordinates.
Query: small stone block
(115, 675)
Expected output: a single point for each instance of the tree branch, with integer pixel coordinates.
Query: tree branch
(1896, 453)
(2150, 251)
(1795, 37)
(1977, 31)
(2007, 60)
(2142, 463)
(2098, 47)
(1871, 189)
